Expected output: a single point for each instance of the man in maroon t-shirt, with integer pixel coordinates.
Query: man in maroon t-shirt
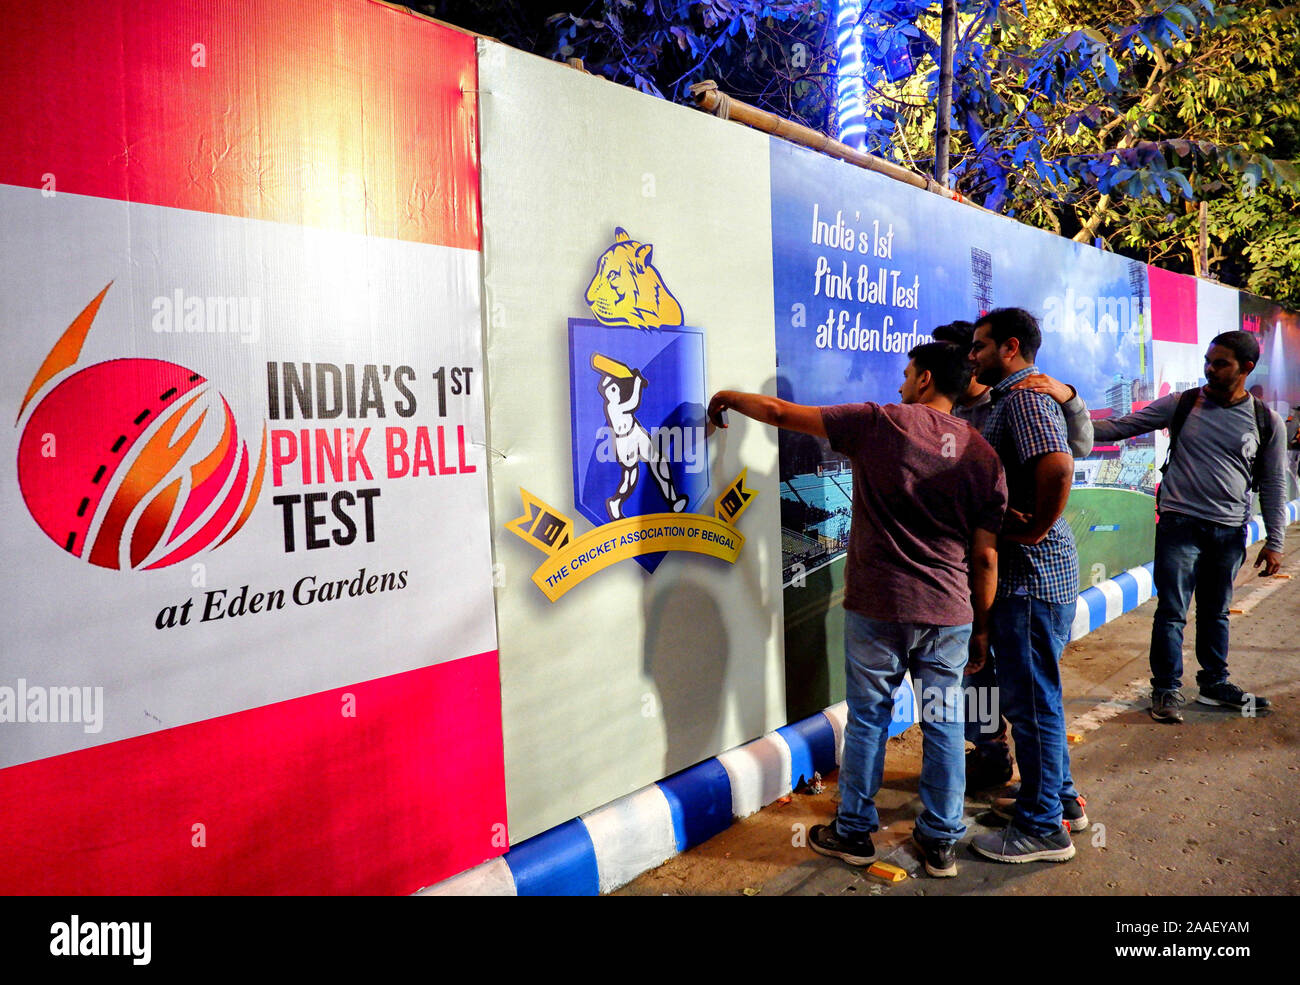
(928, 493)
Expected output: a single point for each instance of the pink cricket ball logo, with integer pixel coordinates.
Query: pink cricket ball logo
(132, 463)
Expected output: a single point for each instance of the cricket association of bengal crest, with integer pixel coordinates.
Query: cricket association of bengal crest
(638, 402)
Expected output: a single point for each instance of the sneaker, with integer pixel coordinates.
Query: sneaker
(1072, 812)
(939, 855)
(984, 772)
(823, 840)
(1167, 706)
(1013, 845)
(1230, 696)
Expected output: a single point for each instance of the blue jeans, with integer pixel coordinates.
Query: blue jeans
(1193, 555)
(1029, 636)
(876, 653)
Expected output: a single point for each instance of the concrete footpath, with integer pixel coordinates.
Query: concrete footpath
(1209, 807)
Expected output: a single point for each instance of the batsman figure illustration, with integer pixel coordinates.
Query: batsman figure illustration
(622, 388)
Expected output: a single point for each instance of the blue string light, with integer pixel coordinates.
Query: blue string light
(849, 103)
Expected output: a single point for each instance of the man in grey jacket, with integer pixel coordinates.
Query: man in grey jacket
(1204, 505)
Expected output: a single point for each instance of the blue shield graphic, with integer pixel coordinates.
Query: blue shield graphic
(638, 403)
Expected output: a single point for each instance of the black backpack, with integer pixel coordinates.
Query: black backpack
(1263, 422)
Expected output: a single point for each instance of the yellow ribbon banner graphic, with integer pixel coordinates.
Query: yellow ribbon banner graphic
(735, 499)
(571, 562)
(546, 529)
(598, 549)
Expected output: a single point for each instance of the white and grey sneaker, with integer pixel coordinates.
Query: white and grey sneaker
(1013, 845)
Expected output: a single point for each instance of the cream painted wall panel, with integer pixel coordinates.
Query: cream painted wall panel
(630, 676)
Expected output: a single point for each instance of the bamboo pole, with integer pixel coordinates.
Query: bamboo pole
(1203, 241)
(711, 100)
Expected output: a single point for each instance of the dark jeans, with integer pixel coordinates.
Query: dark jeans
(1029, 636)
(987, 731)
(1193, 555)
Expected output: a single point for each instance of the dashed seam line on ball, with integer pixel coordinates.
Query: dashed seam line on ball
(121, 440)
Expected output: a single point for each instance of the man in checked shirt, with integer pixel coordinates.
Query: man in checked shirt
(1038, 582)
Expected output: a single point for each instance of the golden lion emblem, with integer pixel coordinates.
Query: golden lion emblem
(627, 289)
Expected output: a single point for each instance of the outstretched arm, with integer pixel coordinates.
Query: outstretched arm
(1078, 424)
(1152, 417)
(770, 410)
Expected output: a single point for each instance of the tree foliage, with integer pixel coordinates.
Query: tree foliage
(777, 55)
(1109, 121)
(1095, 119)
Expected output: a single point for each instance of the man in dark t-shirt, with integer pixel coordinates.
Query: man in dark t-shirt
(928, 494)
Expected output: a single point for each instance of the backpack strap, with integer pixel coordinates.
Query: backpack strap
(1264, 424)
(1186, 401)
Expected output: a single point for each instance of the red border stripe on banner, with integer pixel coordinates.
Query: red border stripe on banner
(342, 115)
(379, 787)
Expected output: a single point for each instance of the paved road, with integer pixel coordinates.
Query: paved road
(1208, 807)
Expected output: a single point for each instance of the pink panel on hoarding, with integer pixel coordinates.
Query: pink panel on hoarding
(386, 800)
(1173, 306)
(340, 115)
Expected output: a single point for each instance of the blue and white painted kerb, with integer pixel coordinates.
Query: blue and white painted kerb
(612, 845)
(1099, 604)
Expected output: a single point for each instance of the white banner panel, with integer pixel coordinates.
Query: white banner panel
(328, 341)
(1216, 313)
